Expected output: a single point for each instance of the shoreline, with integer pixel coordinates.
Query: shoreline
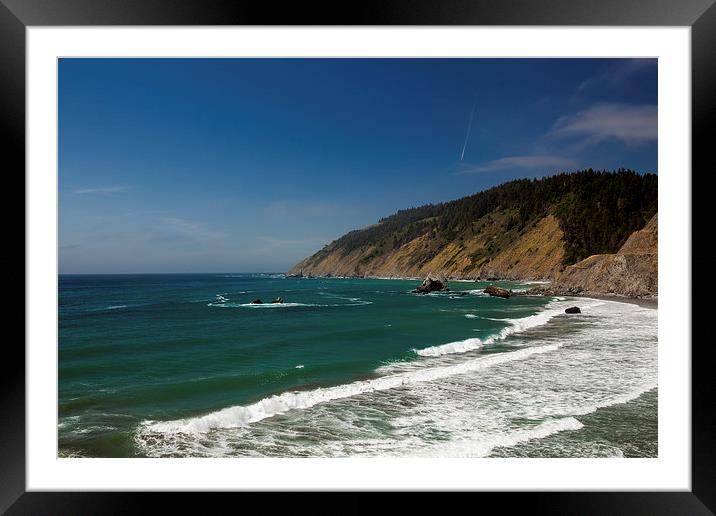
(644, 302)
(394, 364)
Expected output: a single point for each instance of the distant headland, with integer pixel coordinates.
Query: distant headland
(587, 233)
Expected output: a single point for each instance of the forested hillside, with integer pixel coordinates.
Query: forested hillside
(500, 230)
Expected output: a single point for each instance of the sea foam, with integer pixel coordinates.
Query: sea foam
(468, 448)
(515, 326)
(284, 305)
(241, 416)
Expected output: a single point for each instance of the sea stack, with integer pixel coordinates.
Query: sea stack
(430, 285)
(498, 291)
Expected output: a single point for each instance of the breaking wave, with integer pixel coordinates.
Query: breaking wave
(241, 416)
(484, 448)
(515, 326)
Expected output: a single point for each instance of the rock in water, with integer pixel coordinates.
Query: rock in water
(498, 291)
(278, 300)
(430, 285)
(257, 302)
(573, 310)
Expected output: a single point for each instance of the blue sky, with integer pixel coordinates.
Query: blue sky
(246, 165)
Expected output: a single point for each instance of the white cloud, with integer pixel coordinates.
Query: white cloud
(619, 74)
(625, 122)
(513, 162)
(571, 134)
(103, 189)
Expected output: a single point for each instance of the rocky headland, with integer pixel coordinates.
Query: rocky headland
(586, 233)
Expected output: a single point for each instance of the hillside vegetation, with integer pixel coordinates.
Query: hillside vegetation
(520, 229)
(632, 271)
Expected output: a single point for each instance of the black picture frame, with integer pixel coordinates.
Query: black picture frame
(17, 15)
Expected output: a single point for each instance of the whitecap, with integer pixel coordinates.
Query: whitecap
(483, 448)
(241, 416)
(515, 326)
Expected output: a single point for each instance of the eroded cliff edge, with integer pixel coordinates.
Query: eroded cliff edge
(632, 271)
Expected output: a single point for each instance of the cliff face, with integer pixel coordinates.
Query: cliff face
(632, 271)
(535, 254)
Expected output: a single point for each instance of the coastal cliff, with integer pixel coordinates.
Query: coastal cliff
(535, 254)
(632, 271)
(574, 230)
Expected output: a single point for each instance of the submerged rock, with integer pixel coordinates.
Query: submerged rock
(431, 285)
(573, 310)
(498, 291)
(257, 302)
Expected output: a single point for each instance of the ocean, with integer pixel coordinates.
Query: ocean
(182, 365)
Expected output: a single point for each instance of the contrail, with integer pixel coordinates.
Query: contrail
(467, 136)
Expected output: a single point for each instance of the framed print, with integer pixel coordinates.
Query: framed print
(417, 250)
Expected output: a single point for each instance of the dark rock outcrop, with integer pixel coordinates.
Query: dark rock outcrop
(573, 310)
(498, 291)
(278, 300)
(431, 285)
(257, 302)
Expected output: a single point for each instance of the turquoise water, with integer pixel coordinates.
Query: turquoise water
(183, 365)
